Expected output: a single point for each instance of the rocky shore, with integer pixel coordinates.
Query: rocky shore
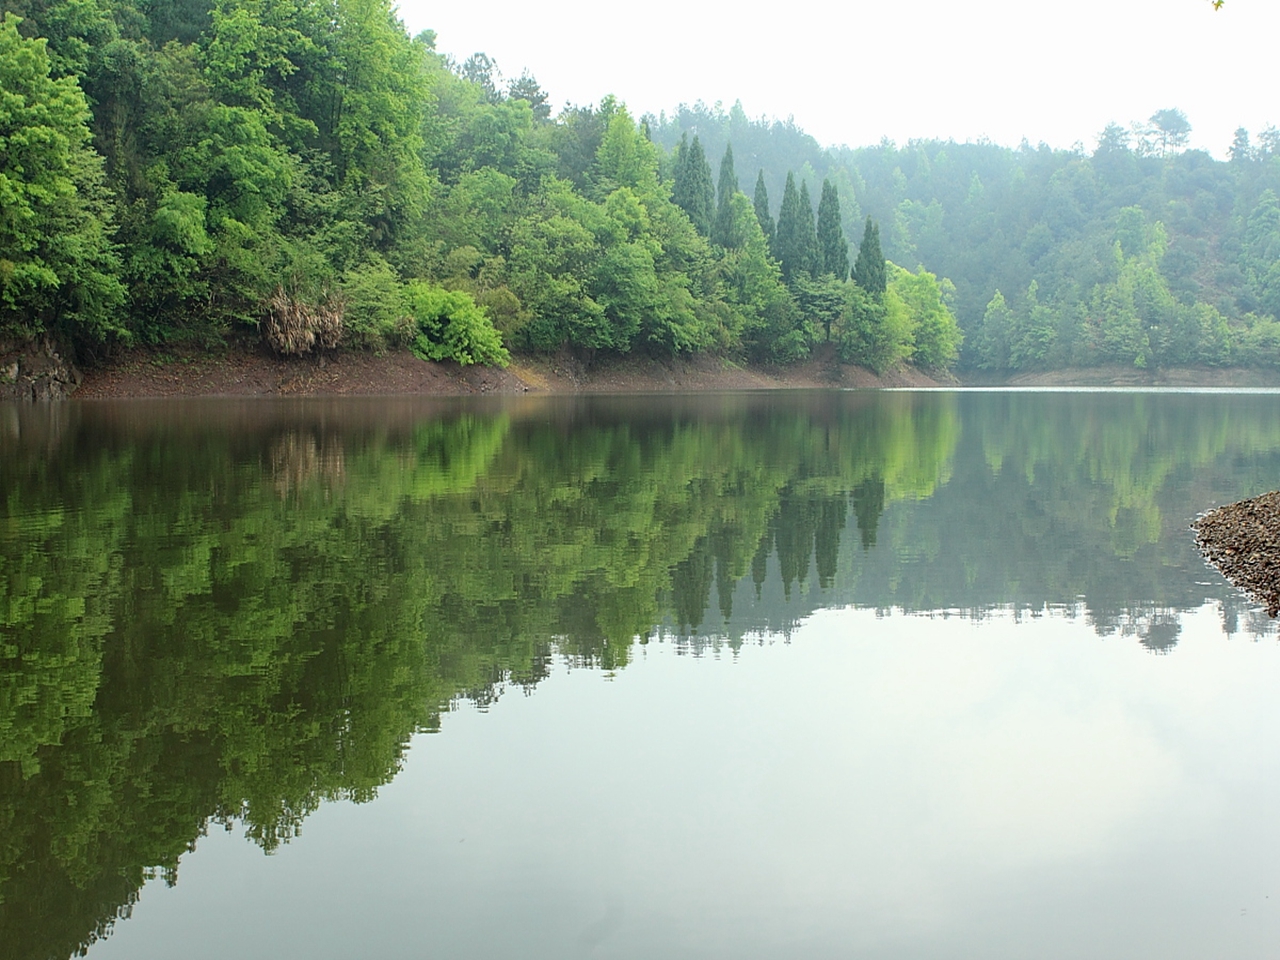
(1243, 541)
(36, 371)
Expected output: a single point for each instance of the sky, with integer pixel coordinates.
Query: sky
(859, 71)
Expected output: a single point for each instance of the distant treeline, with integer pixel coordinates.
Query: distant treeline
(186, 169)
(1142, 252)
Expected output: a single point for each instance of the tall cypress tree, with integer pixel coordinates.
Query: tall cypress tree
(831, 241)
(762, 211)
(868, 269)
(810, 254)
(679, 176)
(693, 192)
(788, 246)
(722, 229)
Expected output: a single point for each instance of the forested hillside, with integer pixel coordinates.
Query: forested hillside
(307, 170)
(1138, 252)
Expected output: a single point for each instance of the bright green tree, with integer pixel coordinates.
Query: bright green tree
(935, 334)
(875, 331)
(763, 216)
(58, 271)
(452, 327)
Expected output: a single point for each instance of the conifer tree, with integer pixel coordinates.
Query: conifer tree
(787, 247)
(762, 212)
(693, 190)
(831, 242)
(868, 269)
(679, 176)
(722, 229)
(810, 254)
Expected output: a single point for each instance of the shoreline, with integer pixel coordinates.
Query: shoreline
(249, 370)
(1242, 540)
(245, 372)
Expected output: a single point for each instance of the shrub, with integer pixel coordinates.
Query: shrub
(452, 327)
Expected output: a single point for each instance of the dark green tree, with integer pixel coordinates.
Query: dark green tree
(787, 245)
(1241, 150)
(810, 252)
(797, 242)
(868, 269)
(482, 70)
(762, 211)
(525, 87)
(1169, 131)
(693, 191)
(726, 187)
(832, 245)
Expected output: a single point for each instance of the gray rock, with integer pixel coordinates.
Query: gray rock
(36, 371)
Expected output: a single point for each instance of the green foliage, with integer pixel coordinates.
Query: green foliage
(693, 192)
(876, 331)
(935, 335)
(552, 251)
(869, 267)
(821, 301)
(452, 327)
(833, 247)
(235, 147)
(58, 271)
(770, 322)
(626, 158)
(995, 335)
(318, 151)
(375, 310)
(761, 205)
(796, 245)
(726, 188)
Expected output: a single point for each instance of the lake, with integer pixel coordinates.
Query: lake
(791, 674)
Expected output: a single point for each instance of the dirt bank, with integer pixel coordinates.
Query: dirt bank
(253, 372)
(1243, 541)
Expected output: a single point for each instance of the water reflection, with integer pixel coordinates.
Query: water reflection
(233, 612)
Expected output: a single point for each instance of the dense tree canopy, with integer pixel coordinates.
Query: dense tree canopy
(201, 169)
(309, 171)
(1192, 281)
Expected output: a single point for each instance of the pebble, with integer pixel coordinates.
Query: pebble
(1243, 541)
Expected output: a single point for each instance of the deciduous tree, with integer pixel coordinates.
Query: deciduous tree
(58, 271)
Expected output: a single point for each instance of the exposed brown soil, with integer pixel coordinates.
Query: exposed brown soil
(254, 372)
(1243, 541)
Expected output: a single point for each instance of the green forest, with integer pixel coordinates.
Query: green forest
(306, 170)
(307, 173)
(1141, 252)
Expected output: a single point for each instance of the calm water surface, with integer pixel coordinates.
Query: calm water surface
(836, 675)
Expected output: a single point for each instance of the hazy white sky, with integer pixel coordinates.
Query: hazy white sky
(856, 71)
